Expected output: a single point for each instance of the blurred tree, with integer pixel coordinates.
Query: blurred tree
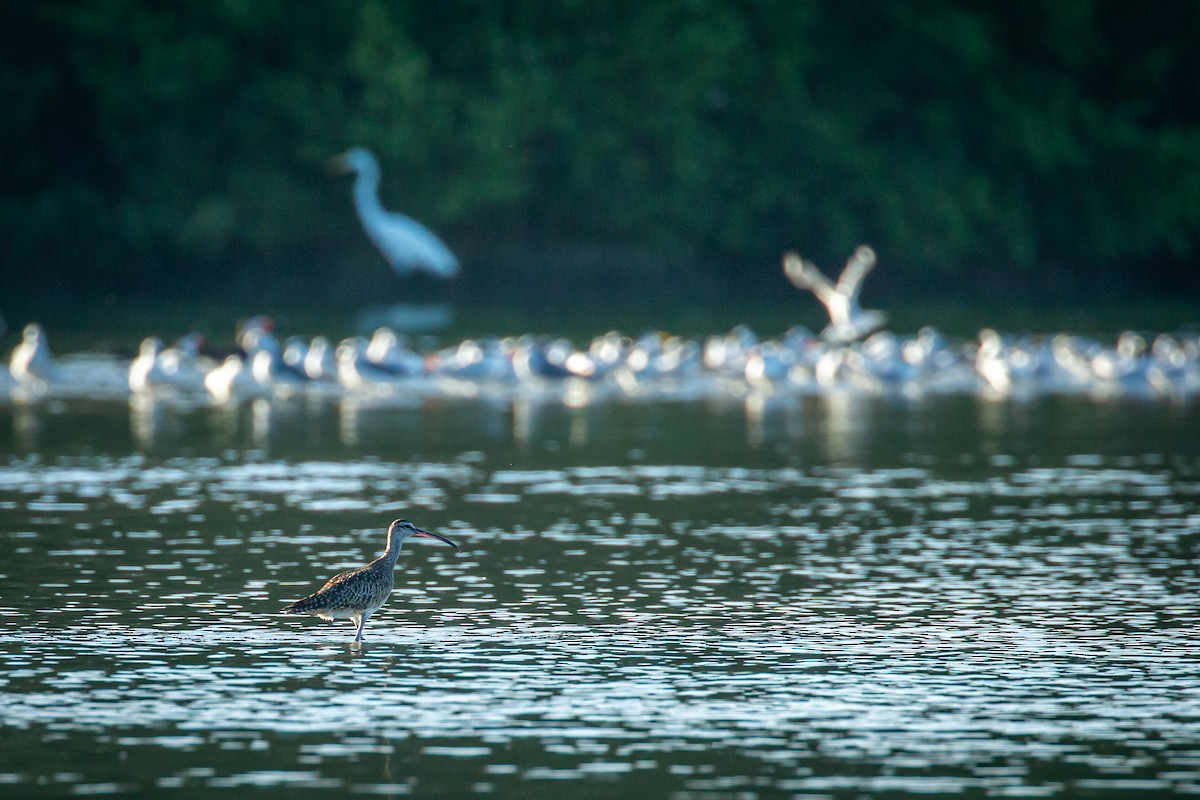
(1000, 146)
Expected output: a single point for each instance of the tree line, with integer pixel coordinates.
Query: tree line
(1001, 148)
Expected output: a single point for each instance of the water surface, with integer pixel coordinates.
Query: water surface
(835, 596)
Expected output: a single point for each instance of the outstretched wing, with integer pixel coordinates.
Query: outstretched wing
(857, 267)
(805, 275)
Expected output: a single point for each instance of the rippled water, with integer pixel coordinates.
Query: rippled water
(827, 597)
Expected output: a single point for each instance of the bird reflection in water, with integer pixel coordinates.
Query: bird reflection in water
(382, 414)
(28, 422)
(846, 425)
(147, 419)
(524, 415)
(1000, 417)
(755, 406)
(772, 420)
(578, 430)
(262, 413)
(231, 419)
(348, 420)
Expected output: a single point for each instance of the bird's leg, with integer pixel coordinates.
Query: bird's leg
(360, 622)
(363, 625)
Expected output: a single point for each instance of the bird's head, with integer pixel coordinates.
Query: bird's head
(356, 159)
(259, 322)
(402, 529)
(192, 344)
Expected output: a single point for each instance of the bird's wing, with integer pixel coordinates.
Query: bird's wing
(805, 275)
(320, 597)
(337, 579)
(857, 267)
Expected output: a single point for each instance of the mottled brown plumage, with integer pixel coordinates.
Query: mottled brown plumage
(358, 593)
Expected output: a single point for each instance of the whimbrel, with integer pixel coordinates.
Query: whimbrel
(358, 593)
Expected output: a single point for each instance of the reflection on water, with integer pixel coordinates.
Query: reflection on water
(830, 596)
(846, 424)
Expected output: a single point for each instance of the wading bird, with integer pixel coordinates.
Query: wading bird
(31, 363)
(847, 320)
(359, 593)
(405, 243)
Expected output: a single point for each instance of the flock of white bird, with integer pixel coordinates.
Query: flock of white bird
(614, 365)
(853, 352)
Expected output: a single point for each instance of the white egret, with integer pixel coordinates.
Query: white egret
(405, 243)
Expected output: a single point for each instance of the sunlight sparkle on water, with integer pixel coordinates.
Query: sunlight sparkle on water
(928, 601)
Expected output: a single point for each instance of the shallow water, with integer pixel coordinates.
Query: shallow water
(836, 596)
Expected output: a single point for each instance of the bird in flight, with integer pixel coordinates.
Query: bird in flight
(847, 319)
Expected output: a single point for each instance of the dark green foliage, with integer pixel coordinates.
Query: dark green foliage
(165, 148)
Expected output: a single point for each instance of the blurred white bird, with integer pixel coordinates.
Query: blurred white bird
(258, 334)
(356, 370)
(488, 360)
(146, 372)
(847, 320)
(31, 362)
(274, 370)
(405, 243)
(231, 380)
(319, 361)
(390, 353)
(184, 364)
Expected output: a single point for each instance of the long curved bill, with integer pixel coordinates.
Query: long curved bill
(437, 536)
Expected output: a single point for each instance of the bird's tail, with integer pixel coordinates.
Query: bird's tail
(302, 606)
